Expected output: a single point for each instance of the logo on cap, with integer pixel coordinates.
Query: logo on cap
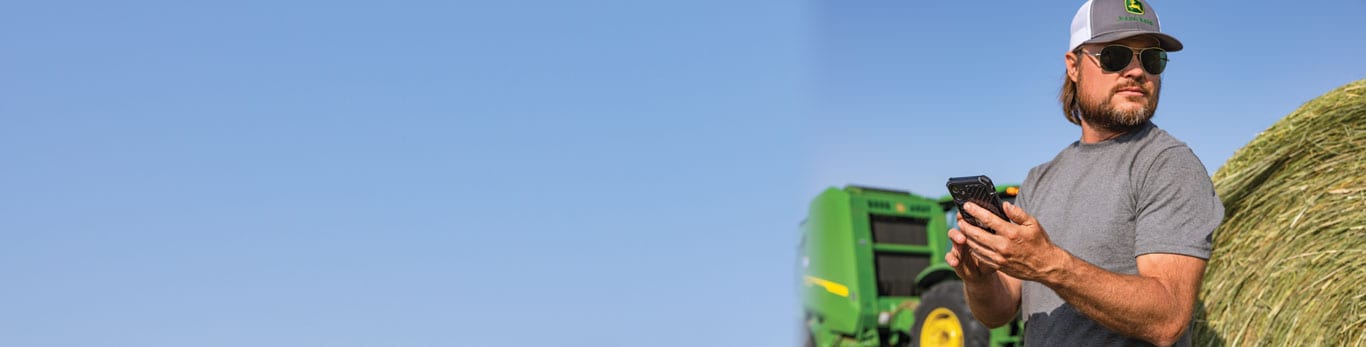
(1133, 6)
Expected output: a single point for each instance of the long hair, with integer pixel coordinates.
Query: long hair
(1068, 95)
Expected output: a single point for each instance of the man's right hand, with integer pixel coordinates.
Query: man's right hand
(960, 257)
(993, 296)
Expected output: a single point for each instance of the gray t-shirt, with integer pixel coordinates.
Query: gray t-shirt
(1107, 203)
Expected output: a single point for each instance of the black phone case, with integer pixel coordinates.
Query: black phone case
(978, 190)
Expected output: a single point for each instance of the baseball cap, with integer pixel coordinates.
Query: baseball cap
(1110, 20)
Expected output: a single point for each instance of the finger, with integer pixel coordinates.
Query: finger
(960, 261)
(956, 236)
(980, 236)
(973, 250)
(985, 260)
(1017, 214)
(962, 229)
(977, 247)
(988, 219)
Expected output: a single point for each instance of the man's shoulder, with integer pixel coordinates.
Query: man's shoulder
(1160, 140)
(1043, 167)
(1144, 150)
(1159, 147)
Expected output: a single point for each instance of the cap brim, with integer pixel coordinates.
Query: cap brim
(1167, 42)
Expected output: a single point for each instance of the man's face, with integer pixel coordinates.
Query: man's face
(1114, 100)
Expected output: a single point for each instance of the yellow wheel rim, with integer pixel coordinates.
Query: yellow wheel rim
(941, 328)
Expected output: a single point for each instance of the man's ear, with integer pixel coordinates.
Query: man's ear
(1071, 59)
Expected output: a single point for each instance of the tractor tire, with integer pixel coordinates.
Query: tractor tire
(903, 340)
(943, 319)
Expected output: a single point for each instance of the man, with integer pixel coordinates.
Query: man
(1110, 238)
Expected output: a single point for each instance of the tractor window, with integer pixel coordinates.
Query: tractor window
(896, 273)
(899, 230)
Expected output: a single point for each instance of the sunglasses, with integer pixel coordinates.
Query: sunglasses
(1116, 57)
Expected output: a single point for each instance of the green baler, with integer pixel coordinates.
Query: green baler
(873, 273)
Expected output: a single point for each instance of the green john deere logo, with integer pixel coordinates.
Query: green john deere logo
(1133, 6)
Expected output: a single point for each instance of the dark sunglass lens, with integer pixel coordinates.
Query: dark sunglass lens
(1115, 58)
(1154, 60)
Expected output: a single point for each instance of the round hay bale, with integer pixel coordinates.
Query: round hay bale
(1289, 261)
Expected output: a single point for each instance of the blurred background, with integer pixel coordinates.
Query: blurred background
(614, 173)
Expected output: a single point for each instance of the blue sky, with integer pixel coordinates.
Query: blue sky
(900, 79)
(413, 173)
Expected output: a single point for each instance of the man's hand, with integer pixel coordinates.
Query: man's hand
(1155, 305)
(968, 267)
(993, 297)
(1021, 250)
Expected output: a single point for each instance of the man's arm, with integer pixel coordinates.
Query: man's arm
(1154, 305)
(994, 301)
(993, 297)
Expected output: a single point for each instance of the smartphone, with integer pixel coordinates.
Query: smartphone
(978, 190)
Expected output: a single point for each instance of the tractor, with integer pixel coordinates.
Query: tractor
(872, 273)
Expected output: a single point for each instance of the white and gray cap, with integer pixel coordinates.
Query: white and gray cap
(1109, 20)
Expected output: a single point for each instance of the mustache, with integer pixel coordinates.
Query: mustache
(1131, 84)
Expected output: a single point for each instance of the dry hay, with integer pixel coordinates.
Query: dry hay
(1289, 261)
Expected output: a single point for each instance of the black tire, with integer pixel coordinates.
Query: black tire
(903, 340)
(949, 295)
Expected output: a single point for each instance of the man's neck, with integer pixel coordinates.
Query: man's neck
(1094, 134)
(1091, 135)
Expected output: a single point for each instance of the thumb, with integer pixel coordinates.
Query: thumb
(1016, 214)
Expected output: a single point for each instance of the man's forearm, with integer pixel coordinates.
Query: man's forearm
(993, 299)
(1133, 305)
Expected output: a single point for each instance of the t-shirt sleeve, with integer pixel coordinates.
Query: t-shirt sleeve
(1177, 207)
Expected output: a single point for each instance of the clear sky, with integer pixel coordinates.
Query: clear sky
(619, 173)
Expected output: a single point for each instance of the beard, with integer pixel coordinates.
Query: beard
(1105, 115)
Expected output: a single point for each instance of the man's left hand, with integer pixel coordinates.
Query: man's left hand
(1021, 250)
